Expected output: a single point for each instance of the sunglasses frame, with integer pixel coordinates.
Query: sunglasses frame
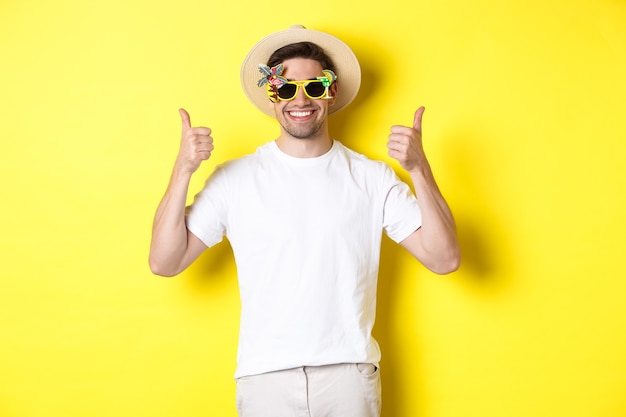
(326, 81)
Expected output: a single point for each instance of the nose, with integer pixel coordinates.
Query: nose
(301, 97)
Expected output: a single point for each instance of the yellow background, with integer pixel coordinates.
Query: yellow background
(525, 130)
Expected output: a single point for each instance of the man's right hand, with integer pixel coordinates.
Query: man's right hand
(196, 144)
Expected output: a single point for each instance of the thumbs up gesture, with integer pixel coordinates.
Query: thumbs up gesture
(405, 144)
(196, 144)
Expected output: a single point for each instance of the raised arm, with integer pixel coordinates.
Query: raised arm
(435, 243)
(173, 247)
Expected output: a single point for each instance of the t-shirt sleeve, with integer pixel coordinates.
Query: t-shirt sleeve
(207, 217)
(402, 215)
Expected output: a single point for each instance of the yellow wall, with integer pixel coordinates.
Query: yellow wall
(525, 129)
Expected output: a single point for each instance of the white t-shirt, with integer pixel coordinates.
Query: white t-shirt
(306, 235)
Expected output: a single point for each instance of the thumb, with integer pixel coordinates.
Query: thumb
(186, 120)
(417, 119)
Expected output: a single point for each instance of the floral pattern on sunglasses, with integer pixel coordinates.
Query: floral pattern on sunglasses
(280, 88)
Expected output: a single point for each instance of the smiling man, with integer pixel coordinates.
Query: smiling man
(305, 217)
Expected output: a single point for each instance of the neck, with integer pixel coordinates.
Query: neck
(304, 148)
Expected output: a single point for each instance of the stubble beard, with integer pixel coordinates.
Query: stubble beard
(307, 130)
(303, 132)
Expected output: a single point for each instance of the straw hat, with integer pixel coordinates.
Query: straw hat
(346, 65)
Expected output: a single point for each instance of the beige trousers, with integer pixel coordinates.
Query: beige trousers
(342, 390)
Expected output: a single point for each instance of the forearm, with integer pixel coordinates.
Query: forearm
(169, 232)
(438, 238)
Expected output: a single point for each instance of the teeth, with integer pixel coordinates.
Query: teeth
(300, 113)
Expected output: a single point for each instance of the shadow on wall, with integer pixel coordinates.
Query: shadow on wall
(487, 254)
(486, 244)
(214, 268)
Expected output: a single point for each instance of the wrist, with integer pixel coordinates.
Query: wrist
(421, 172)
(181, 173)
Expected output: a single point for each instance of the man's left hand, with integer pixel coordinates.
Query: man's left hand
(405, 144)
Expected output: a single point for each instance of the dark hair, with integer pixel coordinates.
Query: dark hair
(306, 50)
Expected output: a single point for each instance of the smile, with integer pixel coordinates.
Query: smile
(300, 113)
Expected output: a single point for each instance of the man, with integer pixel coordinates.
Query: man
(305, 217)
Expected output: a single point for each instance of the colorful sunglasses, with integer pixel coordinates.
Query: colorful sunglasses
(279, 88)
(314, 89)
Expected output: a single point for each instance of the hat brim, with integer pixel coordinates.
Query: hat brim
(347, 66)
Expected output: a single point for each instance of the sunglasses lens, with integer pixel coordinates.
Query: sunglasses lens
(287, 91)
(315, 89)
